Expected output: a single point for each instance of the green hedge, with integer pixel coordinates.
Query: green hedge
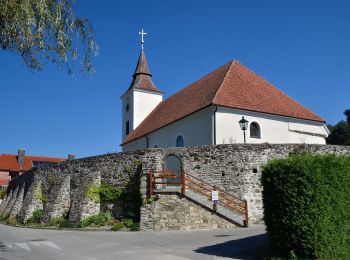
(307, 205)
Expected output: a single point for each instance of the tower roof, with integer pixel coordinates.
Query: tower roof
(142, 78)
(232, 85)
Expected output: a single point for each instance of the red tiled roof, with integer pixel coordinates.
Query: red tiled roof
(232, 85)
(8, 162)
(4, 182)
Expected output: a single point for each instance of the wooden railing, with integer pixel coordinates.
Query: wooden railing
(188, 181)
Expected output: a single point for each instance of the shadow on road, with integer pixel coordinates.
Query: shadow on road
(245, 248)
(3, 248)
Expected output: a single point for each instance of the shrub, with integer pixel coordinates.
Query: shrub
(64, 223)
(117, 226)
(36, 217)
(2, 193)
(12, 221)
(2, 218)
(104, 193)
(135, 227)
(54, 222)
(97, 220)
(307, 206)
(130, 224)
(61, 221)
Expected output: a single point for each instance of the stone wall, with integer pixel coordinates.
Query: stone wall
(171, 212)
(235, 168)
(61, 187)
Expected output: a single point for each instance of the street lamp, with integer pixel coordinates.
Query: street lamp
(244, 126)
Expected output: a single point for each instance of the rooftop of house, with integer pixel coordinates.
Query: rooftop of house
(10, 162)
(234, 86)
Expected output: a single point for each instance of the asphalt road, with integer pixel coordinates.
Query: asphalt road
(37, 244)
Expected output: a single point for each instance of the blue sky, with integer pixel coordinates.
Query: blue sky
(302, 47)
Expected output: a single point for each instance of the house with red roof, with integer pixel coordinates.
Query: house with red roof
(208, 112)
(12, 165)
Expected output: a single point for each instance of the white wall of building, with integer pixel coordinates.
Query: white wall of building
(127, 99)
(141, 103)
(144, 103)
(273, 129)
(198, 129)
(195, 129)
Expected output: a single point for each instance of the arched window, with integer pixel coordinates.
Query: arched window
(179, 141)
(127, 128)
(127, 107)
(254, 130)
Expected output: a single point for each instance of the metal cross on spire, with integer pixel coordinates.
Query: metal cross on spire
(142, 33)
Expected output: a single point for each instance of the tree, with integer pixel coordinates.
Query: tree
(47, 30)
(340, 133)
(347, 114)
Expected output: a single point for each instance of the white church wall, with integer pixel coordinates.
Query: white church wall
(138, 144)
(127, 115)
(144, 103)
(195, 129)
(273, 129)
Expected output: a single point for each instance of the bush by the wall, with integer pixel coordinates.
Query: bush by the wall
(2, 194)
(117, 226)
(97, 220)
(307, 205)
(36, 217)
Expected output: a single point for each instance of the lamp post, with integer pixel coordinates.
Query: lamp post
(244, 126)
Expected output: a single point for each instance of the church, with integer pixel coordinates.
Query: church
(232, 104)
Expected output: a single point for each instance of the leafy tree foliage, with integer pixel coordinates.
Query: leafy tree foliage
(347, 114)
(340, 133)
(47, 30)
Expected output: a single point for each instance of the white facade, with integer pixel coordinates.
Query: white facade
(137, 104)
(273, 128)
(220, 125)
(196, 129)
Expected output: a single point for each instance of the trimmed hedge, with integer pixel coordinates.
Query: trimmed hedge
(307, 205)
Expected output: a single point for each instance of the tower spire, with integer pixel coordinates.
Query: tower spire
(142, 77)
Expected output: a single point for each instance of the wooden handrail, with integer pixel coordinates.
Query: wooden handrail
(194, 183)
(167, 177)
(199, 185)
(199, 191)
(240, 207)
(168, 182)
(212, 186)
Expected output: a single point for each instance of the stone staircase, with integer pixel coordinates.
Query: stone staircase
(229, 207)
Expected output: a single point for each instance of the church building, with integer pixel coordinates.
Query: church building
(232, 104)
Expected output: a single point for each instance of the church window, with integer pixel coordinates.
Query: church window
(254, 130)
(127, 128)
(127, 107)
(179, 141)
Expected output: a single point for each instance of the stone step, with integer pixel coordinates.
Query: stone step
(227, 213)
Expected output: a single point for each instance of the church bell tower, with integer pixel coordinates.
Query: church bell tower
(141, 97)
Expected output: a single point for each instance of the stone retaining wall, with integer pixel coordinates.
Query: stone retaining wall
(236, 168)
(171, 212)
